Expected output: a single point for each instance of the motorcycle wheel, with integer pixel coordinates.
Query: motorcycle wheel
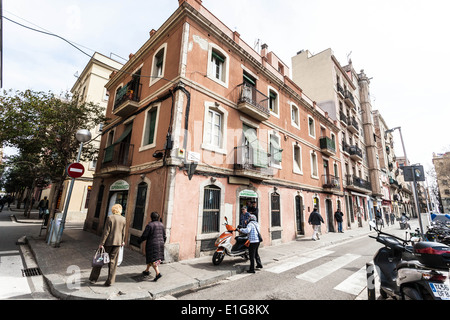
(217, 258)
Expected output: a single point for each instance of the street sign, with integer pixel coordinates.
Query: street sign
(75, 170)
(414, 173)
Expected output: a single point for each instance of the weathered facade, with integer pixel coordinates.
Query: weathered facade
(344, 95)
(202, 124)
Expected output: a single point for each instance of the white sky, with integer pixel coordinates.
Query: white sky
(403, 44)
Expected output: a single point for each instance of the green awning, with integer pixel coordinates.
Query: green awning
(217, 56)
(259, 154)
(275, 149)
(109, 151)
(249, 80)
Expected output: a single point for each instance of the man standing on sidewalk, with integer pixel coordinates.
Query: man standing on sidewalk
(338, 216)
(315, 219)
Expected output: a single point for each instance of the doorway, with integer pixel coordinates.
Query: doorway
(329, 212)
(248, 198)
(119, 197)
(299, 215)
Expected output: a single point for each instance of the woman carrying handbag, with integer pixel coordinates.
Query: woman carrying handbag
(255, 239)
(112, 239)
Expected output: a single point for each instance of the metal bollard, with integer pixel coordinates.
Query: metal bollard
(370, 272)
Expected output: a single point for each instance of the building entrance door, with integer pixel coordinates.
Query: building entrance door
(329, 211)
(299, 215)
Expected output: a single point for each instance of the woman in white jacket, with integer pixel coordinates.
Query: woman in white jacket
(252, 230)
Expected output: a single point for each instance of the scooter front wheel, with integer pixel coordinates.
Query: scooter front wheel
(217, 257)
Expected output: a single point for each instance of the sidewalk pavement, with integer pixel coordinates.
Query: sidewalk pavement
(66, 269)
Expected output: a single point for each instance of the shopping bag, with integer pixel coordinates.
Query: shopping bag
(120, 257)
(101, 258)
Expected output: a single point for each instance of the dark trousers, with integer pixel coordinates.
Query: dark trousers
(254, 255)
(113, 252)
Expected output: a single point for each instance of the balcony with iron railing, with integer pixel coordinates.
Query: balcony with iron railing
(343, 118)
(251, 163)
(330, 182)
(349, 99)
(394, 183)
(353, 125)
(358, 184)
(117, 158)
(253, 102)
(127, 98)
(340, 90)
(327, 146)
(356, 153)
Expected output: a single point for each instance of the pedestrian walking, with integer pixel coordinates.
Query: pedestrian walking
(386, 217)
(112, 239)
(254, 236)
(155, 235)
(43, 207)
(315, 219)
(338, 215)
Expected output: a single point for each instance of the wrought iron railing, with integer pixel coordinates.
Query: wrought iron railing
(330, 181)
(249, 94)
(118, 154)
(353, 180)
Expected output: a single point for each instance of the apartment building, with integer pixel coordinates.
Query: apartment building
(441, 162)
(344, 95)
(90, 85)
(201, 125)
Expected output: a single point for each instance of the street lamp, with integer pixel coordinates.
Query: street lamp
(413, 184)
(82, 135)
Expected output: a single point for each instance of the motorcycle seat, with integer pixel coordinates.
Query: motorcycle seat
(415, 264)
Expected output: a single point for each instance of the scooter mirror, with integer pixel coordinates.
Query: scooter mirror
(226, 220)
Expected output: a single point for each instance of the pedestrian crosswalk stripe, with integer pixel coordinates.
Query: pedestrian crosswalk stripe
(297, 261)
(328, 268)
(355, 283)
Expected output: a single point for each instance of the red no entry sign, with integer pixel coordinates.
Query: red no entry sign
(75, 170)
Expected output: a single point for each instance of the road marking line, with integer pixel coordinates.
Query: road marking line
(297, 261)
(328, 268)
(355, 283)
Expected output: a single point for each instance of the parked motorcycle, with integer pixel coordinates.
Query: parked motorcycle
(404, 224)
(412, 272)
(224, 247)
(438, 231)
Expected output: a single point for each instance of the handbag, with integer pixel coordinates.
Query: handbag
(101, 258)
(259, 235)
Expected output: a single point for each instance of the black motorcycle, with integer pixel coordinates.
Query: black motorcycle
(412, 272)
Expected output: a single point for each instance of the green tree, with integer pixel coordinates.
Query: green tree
(42, 127)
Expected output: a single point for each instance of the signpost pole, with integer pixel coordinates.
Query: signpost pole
(82, 135)
(66, 206)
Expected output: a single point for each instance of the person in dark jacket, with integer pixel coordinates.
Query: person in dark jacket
(338, 215)
(155, 235)
(315, 219)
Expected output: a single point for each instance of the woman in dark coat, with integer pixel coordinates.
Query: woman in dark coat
(155, 235)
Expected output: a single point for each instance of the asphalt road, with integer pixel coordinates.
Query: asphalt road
(15, 258)
(332, 273)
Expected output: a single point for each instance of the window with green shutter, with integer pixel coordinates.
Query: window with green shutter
(151, 125)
